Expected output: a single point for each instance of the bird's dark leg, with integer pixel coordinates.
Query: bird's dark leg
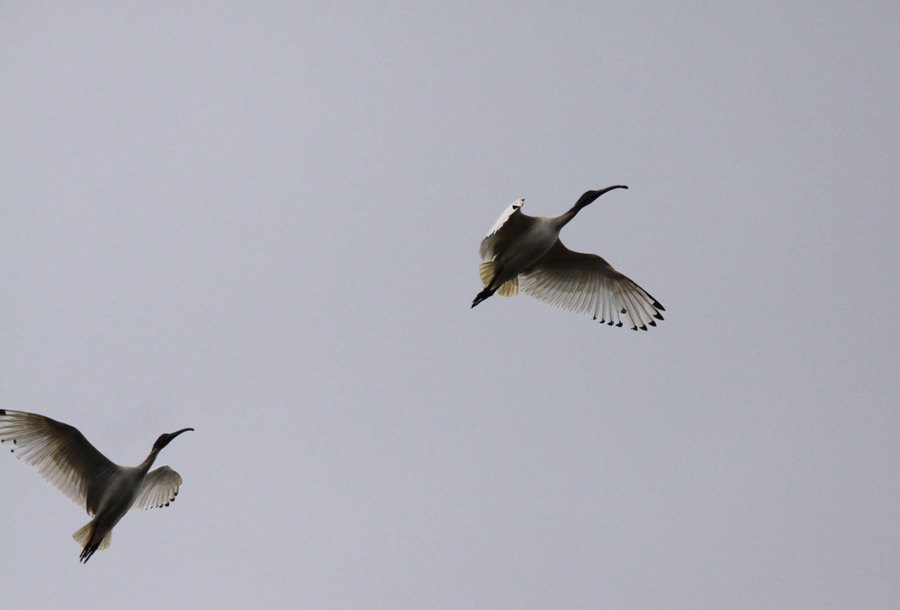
(89, 550)
(492, 286)
(484, 294)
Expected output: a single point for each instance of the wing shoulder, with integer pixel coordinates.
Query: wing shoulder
(511, 224)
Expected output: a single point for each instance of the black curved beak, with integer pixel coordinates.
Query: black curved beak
(591, 196)
(165, 439)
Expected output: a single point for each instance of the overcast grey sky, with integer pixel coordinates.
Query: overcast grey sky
(262, 221)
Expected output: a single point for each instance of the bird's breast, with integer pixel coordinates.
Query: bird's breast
(531, 246)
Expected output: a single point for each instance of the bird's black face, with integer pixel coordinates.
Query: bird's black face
(165, 439)
(591, 196)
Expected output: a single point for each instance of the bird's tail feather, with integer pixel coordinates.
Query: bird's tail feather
(510, 288)
(487, 272)
(83, 535)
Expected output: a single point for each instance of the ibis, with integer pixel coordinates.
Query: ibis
(107, 491)
(522, 252)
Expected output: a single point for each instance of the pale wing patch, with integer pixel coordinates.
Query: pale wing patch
(159, 489)
(585, 283)
(60, 452)
(505, 216)
(511, 224)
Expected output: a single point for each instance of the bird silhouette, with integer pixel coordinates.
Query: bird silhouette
(106, 490)
(522, 252)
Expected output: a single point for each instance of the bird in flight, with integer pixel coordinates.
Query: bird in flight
(107, 491)
(524, 253)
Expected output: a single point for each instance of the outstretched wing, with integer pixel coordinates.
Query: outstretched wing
(586, 283)
(159, 489)
(60, 452)
(509, 226)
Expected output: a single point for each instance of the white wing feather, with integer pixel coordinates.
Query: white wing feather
(60, 452)
(515, 205)
(511, 224)
(159, 489)
(586, 283)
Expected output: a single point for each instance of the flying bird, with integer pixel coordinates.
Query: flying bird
(107, 491)
(524, 253)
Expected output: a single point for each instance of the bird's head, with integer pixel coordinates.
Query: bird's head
(591, 196)
(165, 439)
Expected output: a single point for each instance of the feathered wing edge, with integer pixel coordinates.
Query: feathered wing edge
(586, 283)
(61, 454)
(159, 489)
(511, 224)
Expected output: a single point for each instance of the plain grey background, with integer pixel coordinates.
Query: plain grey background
(262, 221)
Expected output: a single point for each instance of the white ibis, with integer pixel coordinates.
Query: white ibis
(524, 253)
(107, 491)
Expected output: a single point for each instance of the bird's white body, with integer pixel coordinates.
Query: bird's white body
(106, 490)
(528, 247)
(524, 252)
